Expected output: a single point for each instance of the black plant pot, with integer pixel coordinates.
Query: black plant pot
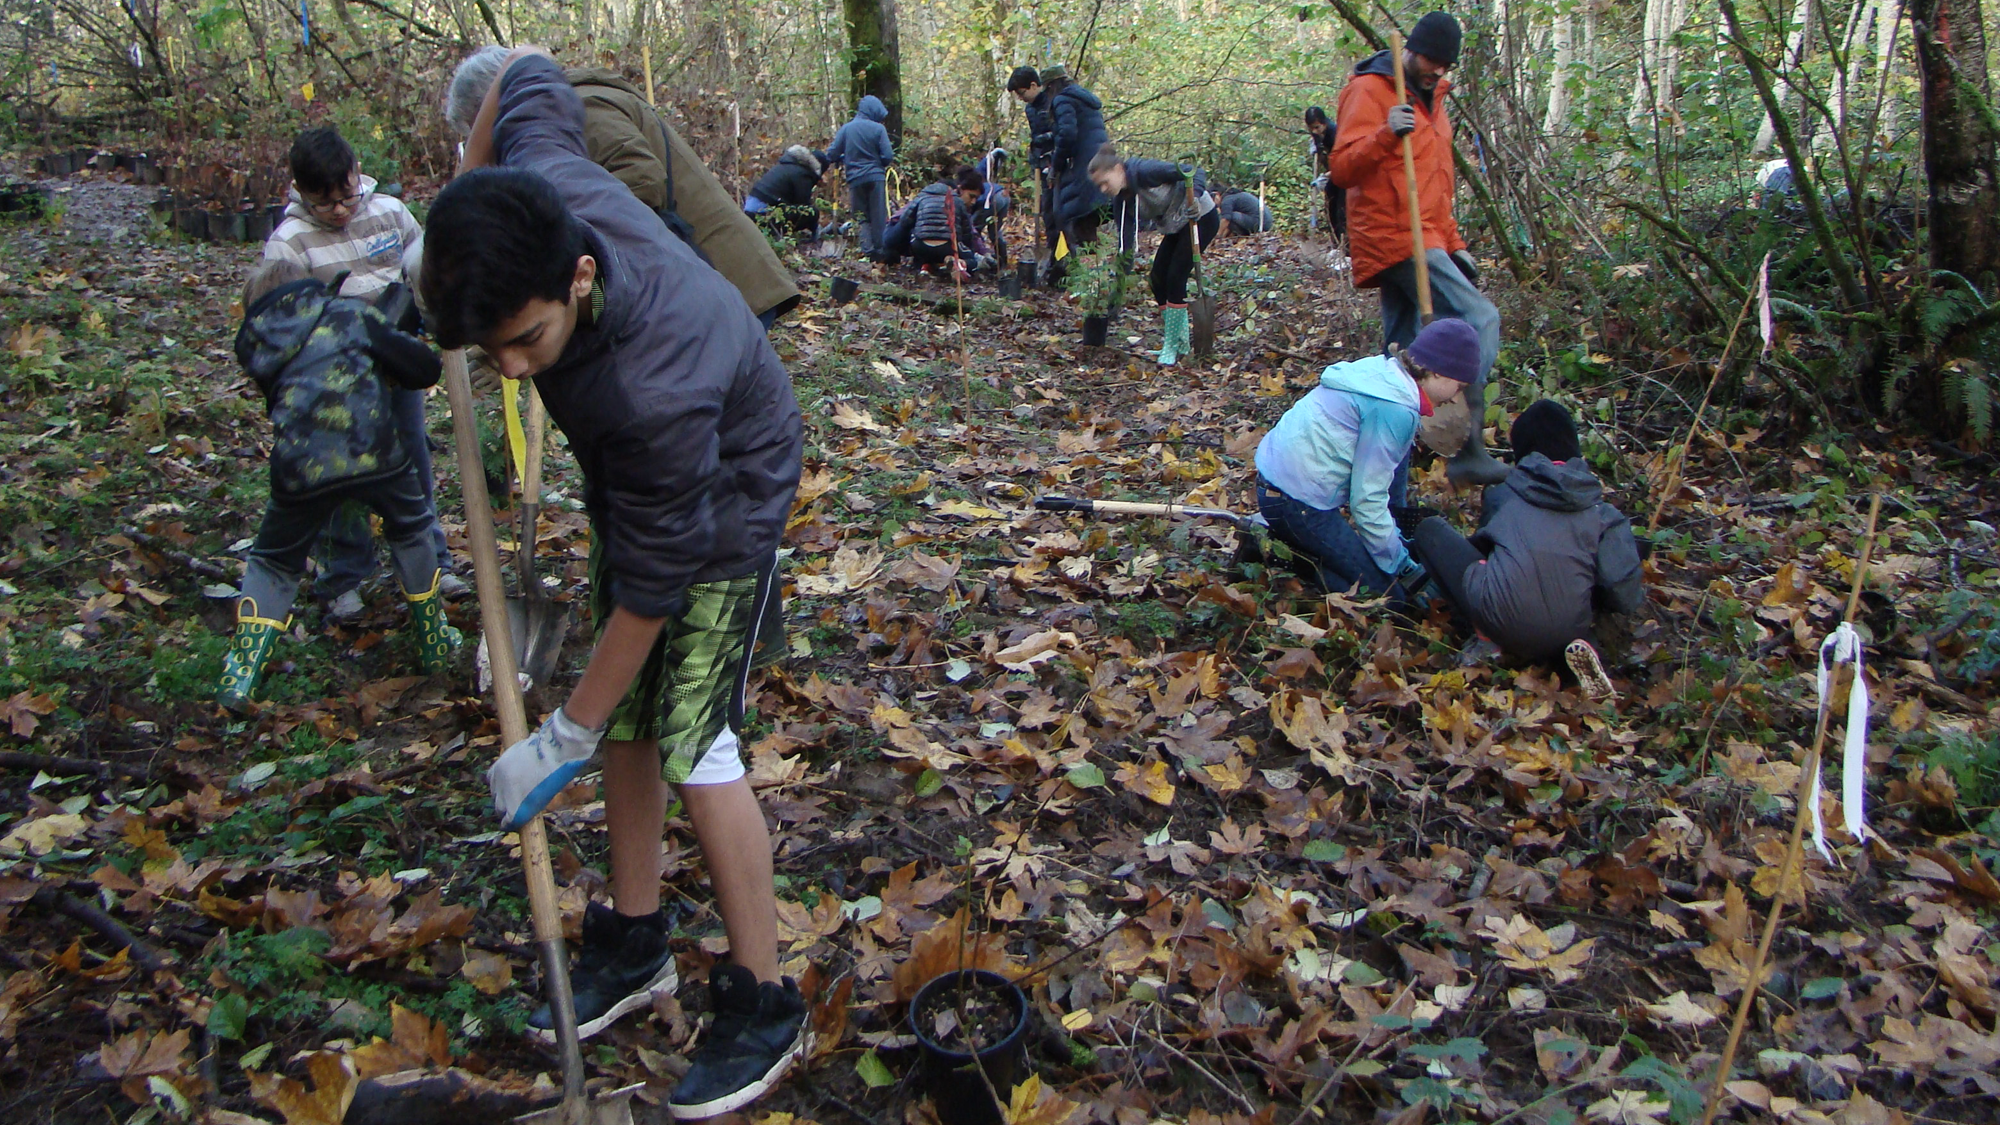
(1096, 329)
(1010, 288)
(951, 1076)
(277, 213)
(256, 225)
(844, 290)
(191, 221)
(60, 163)
(226, 226)
(1025, 271)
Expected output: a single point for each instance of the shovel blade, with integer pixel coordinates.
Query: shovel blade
(1201, 325)
(613, 1108)
(538, 628)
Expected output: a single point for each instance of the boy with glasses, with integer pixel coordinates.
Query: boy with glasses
(338, 223)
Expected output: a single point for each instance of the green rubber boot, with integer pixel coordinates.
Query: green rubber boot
(437, 639)
(1472, 466)
(249, 651)
(1174, 334)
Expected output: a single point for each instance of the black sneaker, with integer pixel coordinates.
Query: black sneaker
(619, 968)
(759, 1030)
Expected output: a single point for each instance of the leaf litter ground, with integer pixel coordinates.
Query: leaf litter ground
(1232, 839)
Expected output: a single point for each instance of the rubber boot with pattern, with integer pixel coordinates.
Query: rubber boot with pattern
(436, 638)
(249, 651)
(1175, 341)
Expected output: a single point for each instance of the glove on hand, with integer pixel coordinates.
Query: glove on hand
(532, 771)
(1466, 265)
(1402, 119)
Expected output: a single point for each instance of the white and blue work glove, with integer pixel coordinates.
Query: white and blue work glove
(532, 771)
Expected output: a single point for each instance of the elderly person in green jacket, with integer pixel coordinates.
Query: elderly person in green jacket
(629, 139)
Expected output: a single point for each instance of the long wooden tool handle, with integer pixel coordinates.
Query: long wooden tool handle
(1410, 178)
(513, 714)
(531, 494)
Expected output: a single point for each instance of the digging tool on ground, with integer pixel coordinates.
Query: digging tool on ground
(575, 1108)
(1201, 309)
(1252, 523)
(538, 624)
(1410, 179)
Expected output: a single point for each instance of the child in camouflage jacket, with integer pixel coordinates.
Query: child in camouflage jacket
(326, 364)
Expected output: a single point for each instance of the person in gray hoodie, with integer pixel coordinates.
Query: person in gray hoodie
(864, 152)
(1549, 554)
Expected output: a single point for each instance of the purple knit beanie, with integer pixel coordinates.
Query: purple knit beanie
(1447, 347)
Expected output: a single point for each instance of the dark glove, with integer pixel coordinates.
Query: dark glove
(1410, 581)
(1466, 265)
(1402, 119)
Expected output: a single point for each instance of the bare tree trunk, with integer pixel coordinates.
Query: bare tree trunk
(1961, 135)
(877, 57)
(1795, 56)
(1889, 18)
(1559, 74)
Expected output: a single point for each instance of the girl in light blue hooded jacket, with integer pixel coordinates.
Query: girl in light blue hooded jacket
(1329, 470)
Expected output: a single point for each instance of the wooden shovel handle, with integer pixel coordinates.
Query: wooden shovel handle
(513, 713)
(1410, 178)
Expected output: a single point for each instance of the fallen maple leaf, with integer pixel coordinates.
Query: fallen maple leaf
(490, 973)
(415, 1042)
(1526, 946)
(23, 711)
(1148, 781)
(131, 1059)
(334, 1079)
(40, 836)
(848, 418)
(1031, 1104)
(946, 948)
(1681, 1009)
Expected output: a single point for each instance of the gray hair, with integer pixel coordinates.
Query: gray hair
(469, 85)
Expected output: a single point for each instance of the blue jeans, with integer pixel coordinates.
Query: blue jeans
(1330, 543)
(346, 551)
(1452, 294)
(871, 212)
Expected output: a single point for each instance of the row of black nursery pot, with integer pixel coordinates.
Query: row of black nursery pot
(205, 219)
(1096, 326)
(142, 167)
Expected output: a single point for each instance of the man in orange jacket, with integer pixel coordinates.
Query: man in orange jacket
(1367, 160)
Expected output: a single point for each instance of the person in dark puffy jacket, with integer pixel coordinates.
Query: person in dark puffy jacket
(326, 365)
(1320, 131)
(1076, 118)
(864, 152)
(1549, 553)
(782, 198)
(1158, 192)
(937, 228)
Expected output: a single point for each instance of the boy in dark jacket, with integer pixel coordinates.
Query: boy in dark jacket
(327, 365)
(1026, 86)
(689, 437)
(936, 227)
(864, 152)
(783, 197)
(1244, 212)
(1549, 553)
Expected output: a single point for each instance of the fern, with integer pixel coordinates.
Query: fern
(1940, 311)
(1965, 387)
(1893, 386)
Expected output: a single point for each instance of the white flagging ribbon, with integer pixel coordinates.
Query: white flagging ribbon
(1844, 647)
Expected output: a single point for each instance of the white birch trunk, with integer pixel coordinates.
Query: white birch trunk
(1565, 57)
(1649, 36)
(1795, 46)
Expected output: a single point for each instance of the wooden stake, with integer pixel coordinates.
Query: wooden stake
(1417, 254)
(1674, 469)
(646, 60)
(1794, 851)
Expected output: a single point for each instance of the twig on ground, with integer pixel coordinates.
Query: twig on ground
(21, 760)
(142, 953)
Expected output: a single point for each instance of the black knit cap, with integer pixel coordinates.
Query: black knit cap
(1548, 429)
(1436, 37)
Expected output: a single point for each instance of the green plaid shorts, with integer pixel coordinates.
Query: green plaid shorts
(690, 691)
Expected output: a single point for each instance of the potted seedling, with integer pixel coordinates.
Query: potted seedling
(1096, 280)
(971, 1026)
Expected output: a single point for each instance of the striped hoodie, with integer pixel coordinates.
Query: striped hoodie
(370, 247)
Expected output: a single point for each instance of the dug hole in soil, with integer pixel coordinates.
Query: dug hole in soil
(967, 1015)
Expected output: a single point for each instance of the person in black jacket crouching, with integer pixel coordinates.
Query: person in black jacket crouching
(936, 228)
(782, 199)
(1549, 554)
